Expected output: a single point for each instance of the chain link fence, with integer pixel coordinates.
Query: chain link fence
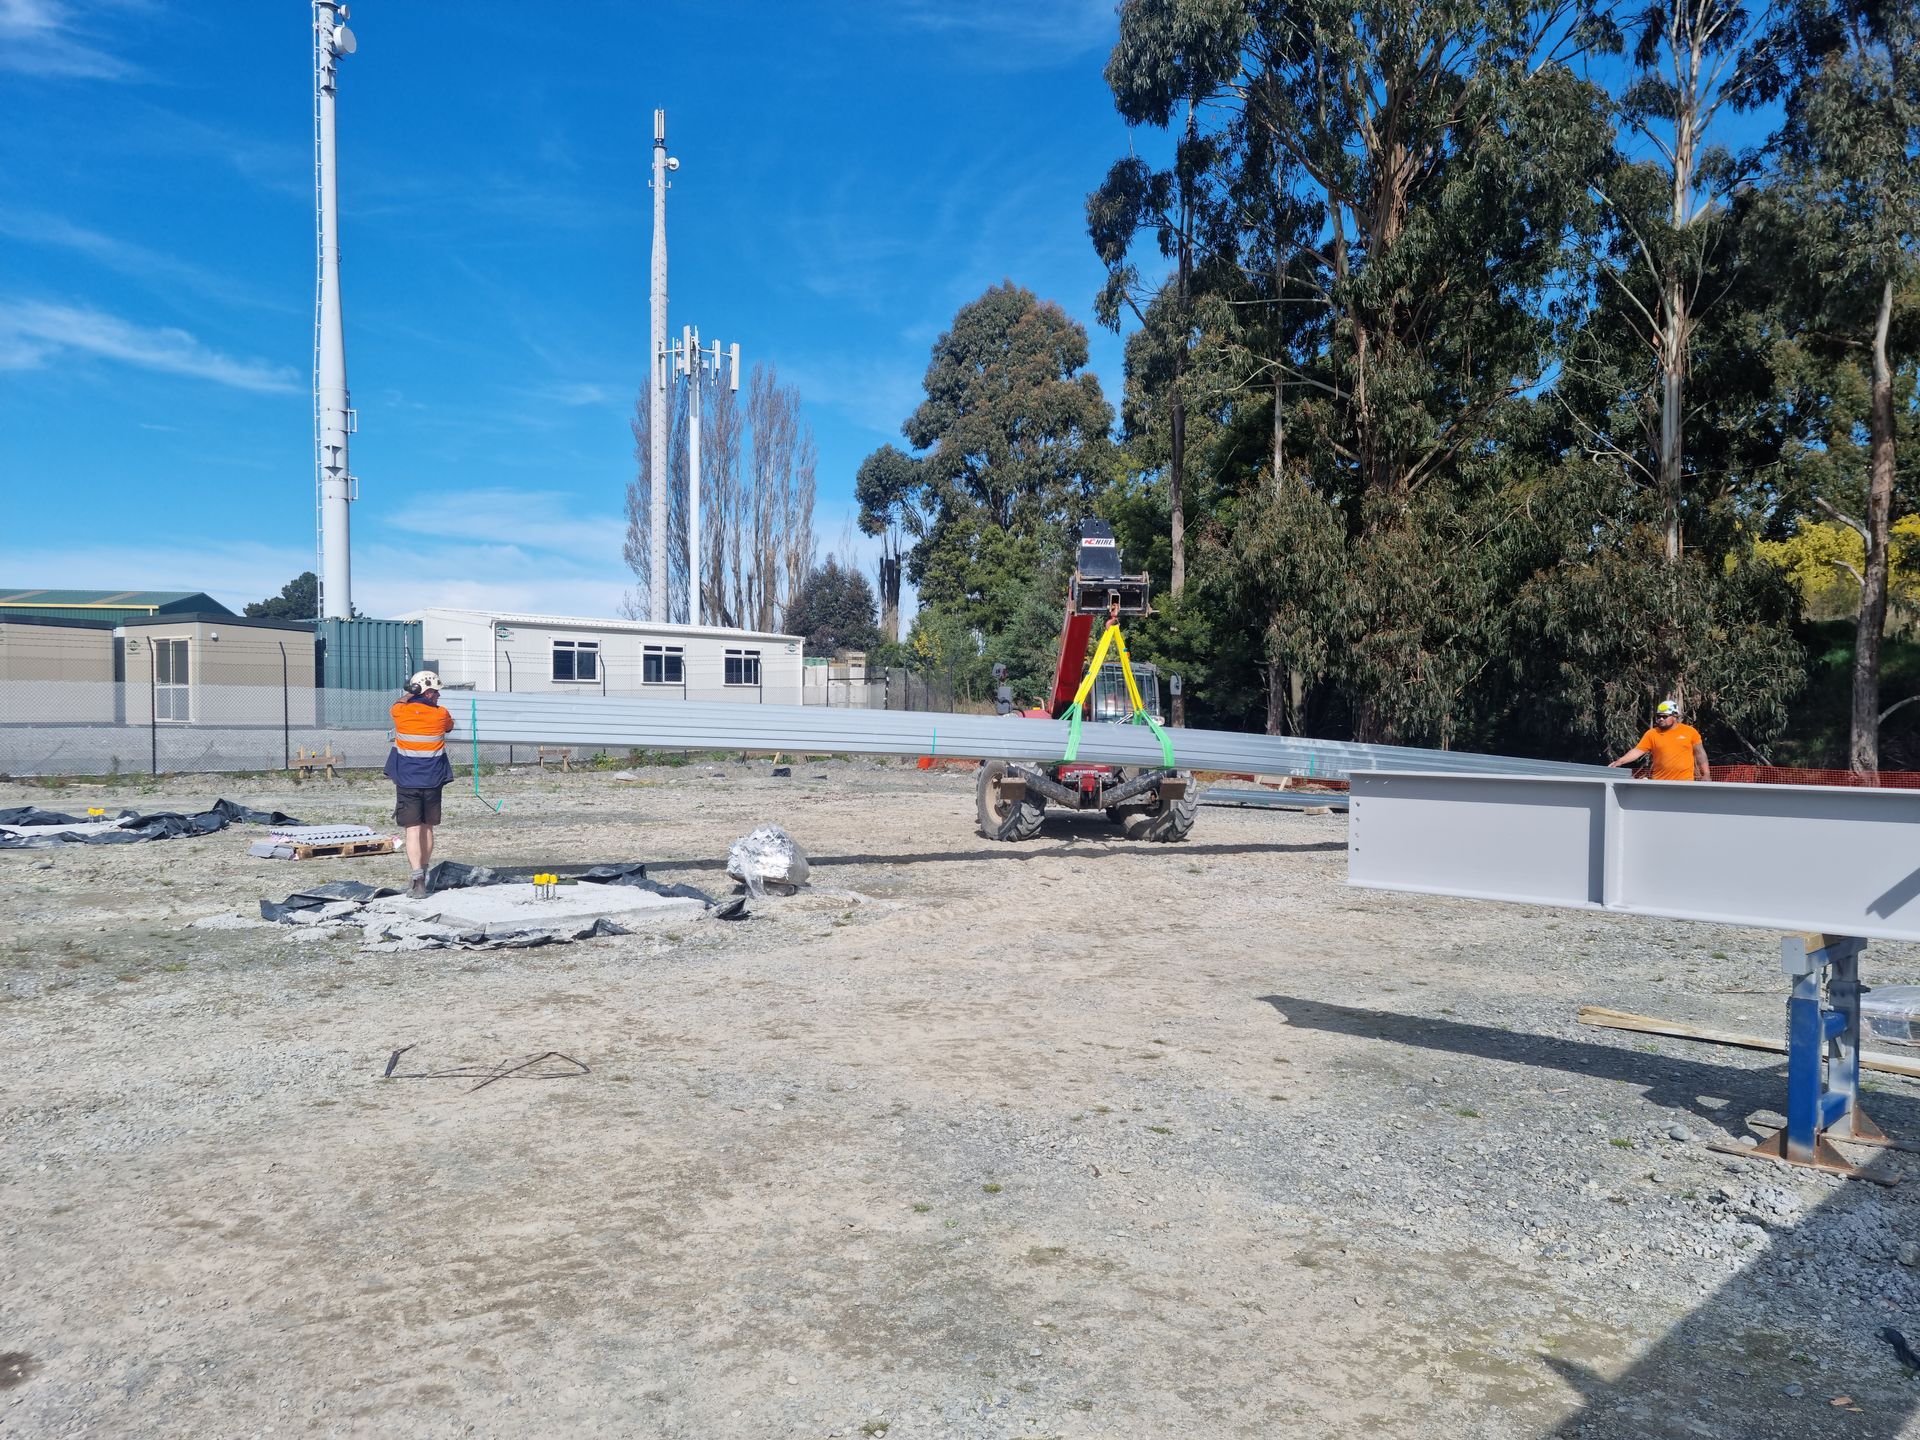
(80, 727)
(890, 689)
(85, 727)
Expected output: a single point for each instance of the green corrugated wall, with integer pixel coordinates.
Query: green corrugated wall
(368, 654)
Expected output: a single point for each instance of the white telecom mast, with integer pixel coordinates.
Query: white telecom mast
(662, 374)
(333, 418)
(691, 361)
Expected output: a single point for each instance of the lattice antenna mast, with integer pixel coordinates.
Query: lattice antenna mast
(333, 418)
(690, 361)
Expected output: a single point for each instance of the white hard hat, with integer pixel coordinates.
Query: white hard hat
(422, 681)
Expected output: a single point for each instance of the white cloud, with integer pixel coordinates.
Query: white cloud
(514, 521)
(233, 572)
(282, 166)
(577, 393)
(536, 595)
(875, 394)
(39, 37)
(1015, 34)
(535, 575)
(389, 576)
(501, 551)
(163, 273)
(33, 333)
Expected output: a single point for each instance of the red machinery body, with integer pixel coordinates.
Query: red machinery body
(1152, 804)
(1075, 635)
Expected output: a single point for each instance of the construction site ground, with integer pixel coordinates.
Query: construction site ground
(1074, 1138)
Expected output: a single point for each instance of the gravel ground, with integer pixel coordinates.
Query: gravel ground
(1074, 1138)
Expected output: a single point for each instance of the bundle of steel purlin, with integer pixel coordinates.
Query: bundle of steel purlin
(615, 722)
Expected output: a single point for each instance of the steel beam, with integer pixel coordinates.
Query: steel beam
(618, 722)
(1776, 857)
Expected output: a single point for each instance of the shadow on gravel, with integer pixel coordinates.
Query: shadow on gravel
(1724, 1370)
(1040, 850)
(1682, 1084)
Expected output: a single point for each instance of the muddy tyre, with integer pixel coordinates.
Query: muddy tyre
(1002, 819)
(1165, 822)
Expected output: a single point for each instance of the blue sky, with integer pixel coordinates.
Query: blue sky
(851, 174)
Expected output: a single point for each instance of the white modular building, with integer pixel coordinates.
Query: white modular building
(578, 655)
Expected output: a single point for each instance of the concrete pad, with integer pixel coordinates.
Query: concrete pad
(492, 909)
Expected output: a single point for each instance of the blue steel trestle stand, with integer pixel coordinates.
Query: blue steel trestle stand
(1823, 1060)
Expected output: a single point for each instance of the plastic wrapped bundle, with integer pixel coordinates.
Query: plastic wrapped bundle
(768, 862)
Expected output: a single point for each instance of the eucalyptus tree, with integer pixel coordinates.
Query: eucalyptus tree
(1846, 206)
(1010, 444)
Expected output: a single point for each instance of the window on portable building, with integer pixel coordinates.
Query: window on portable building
(576, 660)
(743, 667)
(663, 665)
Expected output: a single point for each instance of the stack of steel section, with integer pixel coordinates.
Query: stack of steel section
(615, 722)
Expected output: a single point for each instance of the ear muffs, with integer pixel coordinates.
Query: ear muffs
(413, 689)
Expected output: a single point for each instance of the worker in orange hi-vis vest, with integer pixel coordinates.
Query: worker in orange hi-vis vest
(418, 767)
(1676, 749)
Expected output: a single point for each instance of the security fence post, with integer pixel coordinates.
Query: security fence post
(153, 712)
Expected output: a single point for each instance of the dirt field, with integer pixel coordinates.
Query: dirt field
(1075, 1138)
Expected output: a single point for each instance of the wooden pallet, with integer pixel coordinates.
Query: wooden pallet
(347, 849)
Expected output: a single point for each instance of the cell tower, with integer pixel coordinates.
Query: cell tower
(662, 377)
(333, 418)
(691, 361)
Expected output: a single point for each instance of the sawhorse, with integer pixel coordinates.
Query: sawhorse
(306, 762)
(1823, 1060)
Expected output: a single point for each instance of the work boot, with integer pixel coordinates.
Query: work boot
(418, 889)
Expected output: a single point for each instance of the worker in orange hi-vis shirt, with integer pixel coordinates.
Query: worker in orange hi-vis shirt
(1676, 749)
(419, 769)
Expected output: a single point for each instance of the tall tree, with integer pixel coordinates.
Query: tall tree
(299, 599)
(1434, 161)
(797, 543)
(1012, 438)
(757, 498)
(1691, 59)
(1159, 76)
(635, 548)
(833, 610)
(1848, 193)
(1135, 199)
(889, 491)
(722, 443)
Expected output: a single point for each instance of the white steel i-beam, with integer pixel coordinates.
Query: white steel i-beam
(616, 721)
(1778, 857)
(332, 412)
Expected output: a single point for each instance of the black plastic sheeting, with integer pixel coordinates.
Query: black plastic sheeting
(520, 939)
(163, 825)
(451, 875)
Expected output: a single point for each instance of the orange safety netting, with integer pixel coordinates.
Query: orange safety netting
(1787, 775)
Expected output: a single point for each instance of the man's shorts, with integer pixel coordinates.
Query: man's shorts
(416, 807)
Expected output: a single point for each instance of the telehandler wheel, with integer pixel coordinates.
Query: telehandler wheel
(1166, 822)
(1001, 819)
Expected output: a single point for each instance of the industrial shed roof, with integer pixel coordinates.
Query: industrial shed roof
(109, 605)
